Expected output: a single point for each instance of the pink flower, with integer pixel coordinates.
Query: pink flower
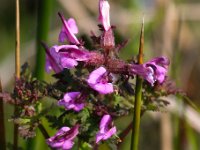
(68, 31)
(52, 61)
(69, 55)
(63, 139)
(72, 100)
(152, 71)
(106, 129)
(104, 16)
(98, 80)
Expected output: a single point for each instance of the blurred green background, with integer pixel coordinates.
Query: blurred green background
(172, 28)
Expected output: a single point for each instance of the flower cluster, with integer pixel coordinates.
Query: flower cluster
(103, 69)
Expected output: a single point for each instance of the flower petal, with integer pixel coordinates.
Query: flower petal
(63, 138)
(110, 133)
(105, 131)
(69, 55)
(104, 15)
(56, 144)
(68, 63)
(72, 25)
(76, 107)
(71, 96)
(99, 137)
(106, 119)
(154, 70)
(68, 144)
(48, 67)
(95, 75)
(70, 101)
(68, 30)
(103, 88)
(58, 48)
(52, 61)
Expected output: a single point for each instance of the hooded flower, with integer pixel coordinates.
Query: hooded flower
(63, 139)
(106, 130)
(104, 15)
(68, 31)
(69, 55)
(98, 80)
(107, 38)
(52, 61)
(152, 71)
(72, 100)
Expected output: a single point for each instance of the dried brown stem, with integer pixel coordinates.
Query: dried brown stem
(2, 127)
(17, 67)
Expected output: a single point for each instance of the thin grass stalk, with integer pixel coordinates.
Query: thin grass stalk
(138, 98)
(17, 67)
(2, 126)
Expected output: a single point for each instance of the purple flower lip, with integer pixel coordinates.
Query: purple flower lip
(68, 30)
(152, 71)
(70, 55)
(73, 100)
(106, 129)
(52, 60)
(63, 139)
(104, 15)
(98, 80)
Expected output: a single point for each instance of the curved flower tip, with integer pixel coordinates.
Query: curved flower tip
(104, 15)
(152, 71)
(72, 100)
(98, 80)
(70, 55)
(63, 139)
(106, 129)
(52, 61)
(68, 31)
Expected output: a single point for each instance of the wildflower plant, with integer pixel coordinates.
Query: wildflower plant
(92, 88)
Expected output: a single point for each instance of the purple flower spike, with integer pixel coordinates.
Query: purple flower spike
(72, 100)
(106, 129)
(70, 54)
(52, 61)
(104, 15)
(98, 80)
(68, 31)
(152, 71)
(63, 139)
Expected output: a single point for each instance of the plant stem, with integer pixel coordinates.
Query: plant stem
(138, 98)
(43, 131)
(17, 67)
(2, 127)
(17, 46)
(43, 20)
(44, 8)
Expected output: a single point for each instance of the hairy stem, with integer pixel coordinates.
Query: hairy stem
(17, 67)
(138, 98)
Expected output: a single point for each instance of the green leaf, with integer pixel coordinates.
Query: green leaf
(85, 146)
